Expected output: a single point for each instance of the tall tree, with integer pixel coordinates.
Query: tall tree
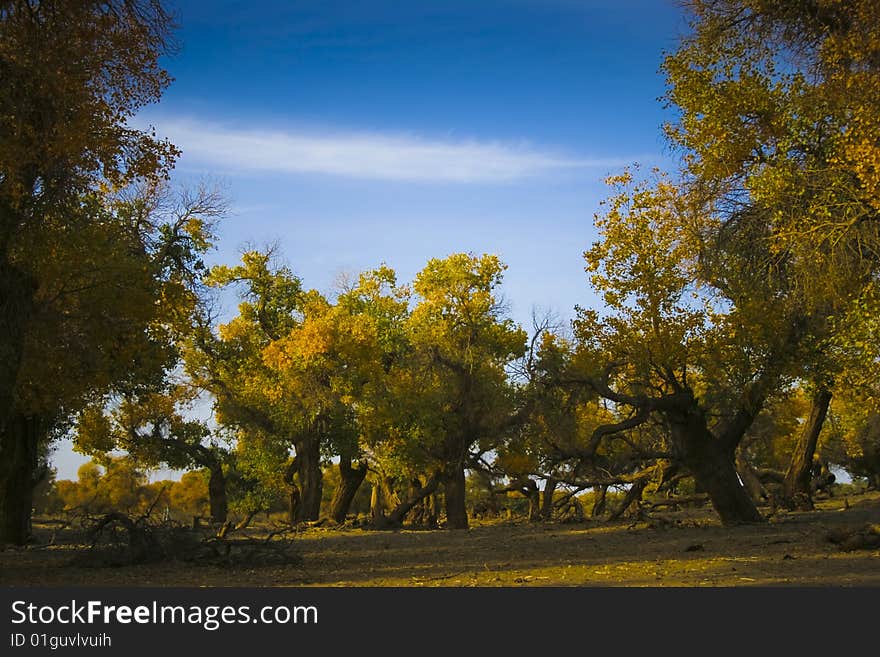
(679, 344)
(146, 415)
(297, 372)
(73, 74)
(365, 346)
(230, 363)
(462, 345)
(109, 293)
(778, 106)
(153, 428)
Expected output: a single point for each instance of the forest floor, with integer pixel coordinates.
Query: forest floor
(686, 548)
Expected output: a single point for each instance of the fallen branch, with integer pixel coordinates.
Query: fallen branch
(680, 501)
(119, 540)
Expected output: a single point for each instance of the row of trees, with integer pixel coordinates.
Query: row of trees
(419, 384)
(410, 381)
(734, 287)
(117, 485)
(93, 271)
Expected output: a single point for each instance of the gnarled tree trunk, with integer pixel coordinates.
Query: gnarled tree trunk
(416, 496)
(425, 512)
(711, 460)
(749, 477)
(632, 496)
(350, 480)
(714, 471)
(796, 488)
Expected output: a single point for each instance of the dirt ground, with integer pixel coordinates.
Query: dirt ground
(685, 548)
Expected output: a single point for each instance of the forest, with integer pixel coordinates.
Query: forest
(732, 368)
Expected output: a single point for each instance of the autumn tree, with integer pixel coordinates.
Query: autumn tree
(75, 279)
(853, 441)
(157, 429)
(296, 372)
(683, 341)
(777, 119)
(369, 348)
(335, 364)
(308, 370)
(230, 364)
(189, 495)
(111, 484)
(98, 323)
(150, 416)
(462, 343)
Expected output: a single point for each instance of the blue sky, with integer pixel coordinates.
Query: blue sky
(355, 133)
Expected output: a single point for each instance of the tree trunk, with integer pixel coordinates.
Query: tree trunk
(350, 480)
(18, 461)
(714, 472)
(868, 463)
(397, 516)
(217, 494)
(711, 461)
(308, 461)
(599, 496)
(669, 477)
(530, 490)
(246, 520)
(17, 289)
(432, 505)
(294, 504)
(454, 489)
(547, 498)
(423, 513)
(19, 435)
(633, 495)
(377, 506)
(796, 489)
(294, 497)
(749, 477)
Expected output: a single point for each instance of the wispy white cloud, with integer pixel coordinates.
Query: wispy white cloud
(366, 155)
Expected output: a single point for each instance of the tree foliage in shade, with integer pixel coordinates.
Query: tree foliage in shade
(778, 107)
(777, 122)
(74, 74)
(78, 277)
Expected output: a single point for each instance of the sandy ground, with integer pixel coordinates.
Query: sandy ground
(687, 548)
